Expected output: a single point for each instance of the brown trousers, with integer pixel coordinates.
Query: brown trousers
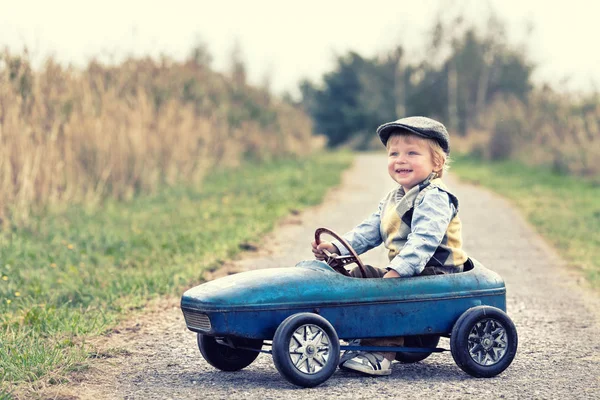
(396, 341)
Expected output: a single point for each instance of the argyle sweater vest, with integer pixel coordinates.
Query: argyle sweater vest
(396, 218)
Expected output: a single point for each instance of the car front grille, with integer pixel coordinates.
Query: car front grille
(197, 321)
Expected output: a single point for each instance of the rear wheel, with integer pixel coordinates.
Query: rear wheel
(427, 341)
(483, 341)
(227, 358)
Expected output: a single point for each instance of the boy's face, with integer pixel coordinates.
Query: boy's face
(409, 160)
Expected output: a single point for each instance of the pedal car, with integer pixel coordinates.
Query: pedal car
(303, 312)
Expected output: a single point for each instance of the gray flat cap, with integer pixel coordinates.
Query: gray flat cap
(422, 126)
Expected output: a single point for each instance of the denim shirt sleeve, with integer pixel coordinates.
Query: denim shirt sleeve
(365, 236)
(429, 225)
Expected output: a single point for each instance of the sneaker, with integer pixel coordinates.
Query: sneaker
(350, 354)
(369, 363)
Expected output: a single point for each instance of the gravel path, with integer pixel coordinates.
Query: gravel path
(155, 357)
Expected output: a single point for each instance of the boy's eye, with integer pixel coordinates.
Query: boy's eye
(412, 153)
(393, 154)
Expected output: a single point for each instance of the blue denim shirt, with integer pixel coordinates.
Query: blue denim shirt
(429, 224)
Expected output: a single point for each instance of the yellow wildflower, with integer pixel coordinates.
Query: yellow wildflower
(53, 265)
(5, 278)
(17, 294)
(70, 246)
(8, 301)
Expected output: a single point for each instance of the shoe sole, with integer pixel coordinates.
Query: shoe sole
(364, 370)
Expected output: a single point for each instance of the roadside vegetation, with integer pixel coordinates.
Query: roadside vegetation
(122, 183)
(75, 273)
(113, 131)
(564, 209)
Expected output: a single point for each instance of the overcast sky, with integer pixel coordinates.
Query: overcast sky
(291, 40)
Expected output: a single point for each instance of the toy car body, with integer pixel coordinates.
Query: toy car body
(305, 310)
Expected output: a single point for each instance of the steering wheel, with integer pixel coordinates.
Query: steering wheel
(338, 262)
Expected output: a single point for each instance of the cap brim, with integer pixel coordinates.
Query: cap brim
(385, 130)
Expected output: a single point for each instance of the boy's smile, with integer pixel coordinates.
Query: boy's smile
(409, 160)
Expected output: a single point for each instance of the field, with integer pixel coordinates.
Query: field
(75, 273)
(564, 209)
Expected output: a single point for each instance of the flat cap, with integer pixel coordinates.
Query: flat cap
(421, 126)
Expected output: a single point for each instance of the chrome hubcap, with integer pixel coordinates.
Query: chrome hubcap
(487, 342)
(309, 349)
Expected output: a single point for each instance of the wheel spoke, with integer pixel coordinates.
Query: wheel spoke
(498, 353)
(298, 339)
(316, 335)
(474, 338)
(500, 341)
(488, 327)
(477, 349)
(320, 359)
(479, 329)
(300, 360)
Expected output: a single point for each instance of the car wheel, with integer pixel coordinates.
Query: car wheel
(427, 341)
(225, 357)
(306, 349)
(483, 341)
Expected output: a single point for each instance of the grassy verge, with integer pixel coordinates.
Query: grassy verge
(564, 209)
(74, 274)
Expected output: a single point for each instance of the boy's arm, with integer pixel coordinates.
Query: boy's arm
(365, 236)
(429, 224)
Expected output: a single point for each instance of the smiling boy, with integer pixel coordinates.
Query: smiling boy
(417, 222)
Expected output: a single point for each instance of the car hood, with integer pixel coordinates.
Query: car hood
(314, 283)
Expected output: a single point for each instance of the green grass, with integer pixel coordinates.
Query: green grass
(565, 210)
(73, 274)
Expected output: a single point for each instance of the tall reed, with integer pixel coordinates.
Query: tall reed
(69, 135)
(557, 130)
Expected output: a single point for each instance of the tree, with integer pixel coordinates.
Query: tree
(462, 73)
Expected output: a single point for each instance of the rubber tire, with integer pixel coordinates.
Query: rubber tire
(226, 358)
(459, 341)
(429, 341)
(281, 344)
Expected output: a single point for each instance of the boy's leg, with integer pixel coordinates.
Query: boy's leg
(396, 341)
(372, 272)
(372, 363)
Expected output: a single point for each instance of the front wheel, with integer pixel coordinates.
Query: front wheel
(227, 358)
(306, 349)
(483, 341)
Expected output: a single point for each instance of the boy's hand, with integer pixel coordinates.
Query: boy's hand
(318, 250)
(391, 274)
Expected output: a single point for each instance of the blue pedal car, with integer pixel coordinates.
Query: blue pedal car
(303, 312)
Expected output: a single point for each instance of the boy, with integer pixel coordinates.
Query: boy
(417, 222)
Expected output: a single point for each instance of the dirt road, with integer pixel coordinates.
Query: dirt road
(155, 357)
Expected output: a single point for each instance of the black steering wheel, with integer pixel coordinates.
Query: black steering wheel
(338, 262)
